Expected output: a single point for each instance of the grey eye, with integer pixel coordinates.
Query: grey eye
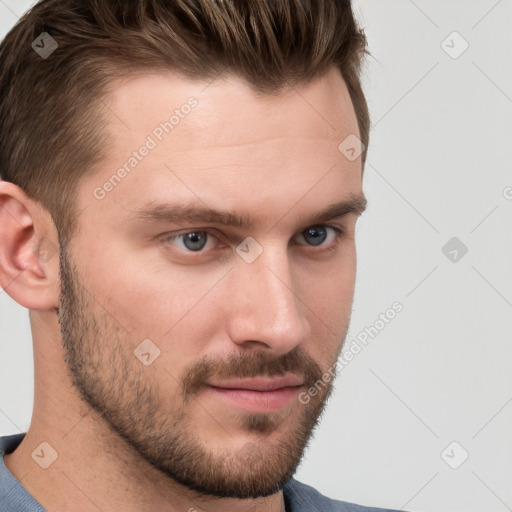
(195, 240)
(315, 235)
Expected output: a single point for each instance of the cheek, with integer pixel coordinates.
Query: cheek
(171, 309)
(328, 288)
(330, 301)
(149, 295)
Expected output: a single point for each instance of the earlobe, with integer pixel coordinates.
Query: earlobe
(29, 268)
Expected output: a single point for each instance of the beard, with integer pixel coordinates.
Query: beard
(157, 425)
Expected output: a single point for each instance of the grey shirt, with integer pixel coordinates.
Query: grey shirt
(298, 497)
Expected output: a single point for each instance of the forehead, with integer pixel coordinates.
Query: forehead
(221, 142)
(228, 108)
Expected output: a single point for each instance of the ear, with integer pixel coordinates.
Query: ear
(29, 250)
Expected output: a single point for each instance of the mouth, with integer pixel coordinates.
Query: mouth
(261, 395)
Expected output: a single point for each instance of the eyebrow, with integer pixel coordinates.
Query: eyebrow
(190, 213)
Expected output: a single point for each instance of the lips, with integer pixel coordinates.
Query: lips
(260, 383)
(261, 395)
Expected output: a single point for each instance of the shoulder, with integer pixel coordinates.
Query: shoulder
(300, 497)
(10, 443)
(13, 496)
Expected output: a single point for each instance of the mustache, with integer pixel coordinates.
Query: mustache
(258, 364)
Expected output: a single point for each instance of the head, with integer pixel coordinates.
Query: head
(186, 158)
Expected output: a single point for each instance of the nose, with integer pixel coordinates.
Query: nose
(265, 309)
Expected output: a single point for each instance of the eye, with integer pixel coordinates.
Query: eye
(194, 241)
(199, 241)
(316, 235)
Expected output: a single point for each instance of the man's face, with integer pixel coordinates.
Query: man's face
(193, 341)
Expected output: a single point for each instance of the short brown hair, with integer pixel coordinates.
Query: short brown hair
(50, 108)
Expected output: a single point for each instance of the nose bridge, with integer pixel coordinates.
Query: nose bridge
(267, 308)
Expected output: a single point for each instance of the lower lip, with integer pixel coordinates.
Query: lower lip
(258, 401)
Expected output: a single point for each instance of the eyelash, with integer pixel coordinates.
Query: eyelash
(338, 234)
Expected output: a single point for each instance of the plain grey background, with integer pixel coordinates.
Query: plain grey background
(421, 417)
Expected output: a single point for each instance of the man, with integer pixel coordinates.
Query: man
(181, 185)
